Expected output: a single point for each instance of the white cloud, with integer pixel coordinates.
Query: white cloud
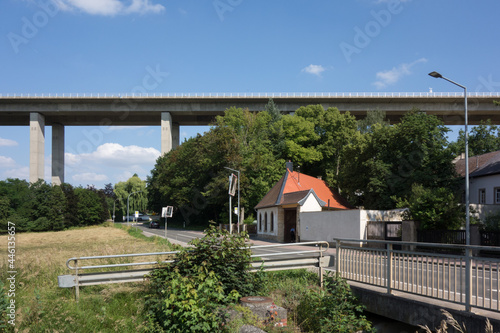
(89, 177)
(18, 172)
(389, 77)
(114, 153)
(314, 69)
(110, 7)
(7, 143)
(7, 162)
(110, 162)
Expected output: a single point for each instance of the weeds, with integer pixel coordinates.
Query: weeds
(449, 320)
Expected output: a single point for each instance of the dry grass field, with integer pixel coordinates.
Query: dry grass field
(40, 257)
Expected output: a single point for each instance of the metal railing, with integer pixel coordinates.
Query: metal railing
(268, 261)
(457, 276)
(254, 95)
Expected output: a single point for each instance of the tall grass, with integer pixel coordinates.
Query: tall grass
(42, 306)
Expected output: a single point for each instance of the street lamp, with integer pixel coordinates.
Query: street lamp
(114, 204)
(239, 212)
(467, 220)
(128, 205)
(468, 273)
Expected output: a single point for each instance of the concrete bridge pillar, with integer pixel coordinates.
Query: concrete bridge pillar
(175, 135)
(169, 133)
(57, 154)
(37, 146)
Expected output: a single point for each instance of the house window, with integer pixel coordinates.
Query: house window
(497, 195)
(260, 222)
(265, 222)
(482, 196)
(272, 222)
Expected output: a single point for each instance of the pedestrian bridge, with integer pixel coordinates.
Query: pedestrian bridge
(412, 282)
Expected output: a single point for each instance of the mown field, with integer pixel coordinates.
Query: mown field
(42, 306)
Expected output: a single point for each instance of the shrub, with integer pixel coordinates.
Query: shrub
(185, 295)
(189, 303)
(333, 309)
(492, 222)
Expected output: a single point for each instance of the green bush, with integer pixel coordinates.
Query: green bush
(189, 303)
(333, 309)
(186, 295)
(492, 222)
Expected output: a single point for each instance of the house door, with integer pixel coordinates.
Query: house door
(290, 223)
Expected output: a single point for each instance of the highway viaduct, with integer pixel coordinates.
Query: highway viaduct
(173, 110)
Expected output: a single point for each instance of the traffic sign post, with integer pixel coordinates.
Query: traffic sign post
(233, 179)
(167, 212)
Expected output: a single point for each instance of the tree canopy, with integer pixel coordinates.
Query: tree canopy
(43, 207)
(373, 164)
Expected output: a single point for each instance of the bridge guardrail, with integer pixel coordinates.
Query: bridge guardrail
(256, 95)
(268, 261)
(466, 279)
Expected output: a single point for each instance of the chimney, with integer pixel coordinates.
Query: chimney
(289, 165)
(320, 177)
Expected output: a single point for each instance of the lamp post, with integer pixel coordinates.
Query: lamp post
(128, 205)
(468, 251)
(239, 211)
(114, 204)
(467, 220)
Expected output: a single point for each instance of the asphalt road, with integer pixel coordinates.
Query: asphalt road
(183, 237)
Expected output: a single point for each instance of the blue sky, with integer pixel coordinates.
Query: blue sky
(109, 46)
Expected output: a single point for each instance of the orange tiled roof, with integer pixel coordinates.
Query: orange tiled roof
(294, 186)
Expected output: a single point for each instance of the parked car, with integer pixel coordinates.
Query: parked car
(154, 224)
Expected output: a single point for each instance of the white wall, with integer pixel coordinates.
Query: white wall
(488, 183)
(262, 212)
(327, 225)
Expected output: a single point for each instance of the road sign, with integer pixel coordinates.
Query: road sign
(167, 211)
(233, 182)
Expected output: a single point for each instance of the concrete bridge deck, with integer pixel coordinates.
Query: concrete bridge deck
(200, 109)
(173, 110)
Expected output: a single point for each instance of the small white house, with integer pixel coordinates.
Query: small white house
(278, 213)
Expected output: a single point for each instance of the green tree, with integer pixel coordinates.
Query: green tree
(19, 195)
(193, 178)
(391, 159)
(138, 201)
(434, 208)
(89, 207)
(373, 117)
(71, 213)
(483, 138)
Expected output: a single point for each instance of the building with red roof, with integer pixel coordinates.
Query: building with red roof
(278, 213)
